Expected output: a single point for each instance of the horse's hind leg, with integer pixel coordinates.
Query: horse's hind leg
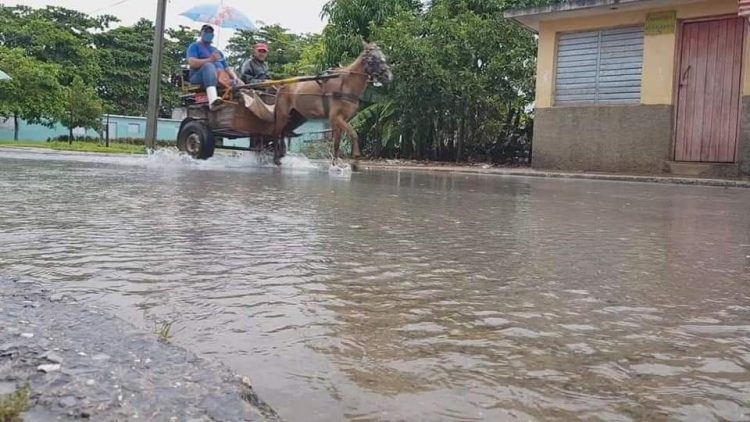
(336, 142)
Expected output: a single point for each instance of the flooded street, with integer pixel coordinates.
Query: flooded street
(407, 296)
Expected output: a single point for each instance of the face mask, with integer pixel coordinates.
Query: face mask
(207, 37)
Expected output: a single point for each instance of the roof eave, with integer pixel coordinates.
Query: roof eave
(531, 17)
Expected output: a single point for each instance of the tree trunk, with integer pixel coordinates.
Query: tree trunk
(70, 139)
(461, 135)
(436, 140)
(15, 127)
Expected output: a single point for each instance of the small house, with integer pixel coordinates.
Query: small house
(642, 86)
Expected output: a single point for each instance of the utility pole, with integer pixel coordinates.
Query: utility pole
(153, 93)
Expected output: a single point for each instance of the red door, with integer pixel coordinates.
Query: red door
(708, 107)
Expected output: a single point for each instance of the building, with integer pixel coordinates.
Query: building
(642, 86)
(132, 127)
(120, 127)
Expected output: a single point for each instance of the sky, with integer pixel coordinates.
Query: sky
(297, 15)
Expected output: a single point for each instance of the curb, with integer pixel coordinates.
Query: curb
(674, 180)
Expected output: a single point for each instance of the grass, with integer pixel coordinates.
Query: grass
(114, 147)
(12, 405)
(164, 331)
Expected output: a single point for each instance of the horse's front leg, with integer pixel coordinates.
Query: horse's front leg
(346, 127)
(356, 152)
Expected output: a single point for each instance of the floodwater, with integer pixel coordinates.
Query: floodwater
(407, 296)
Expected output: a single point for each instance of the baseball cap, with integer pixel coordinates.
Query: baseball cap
(205, 28)
(261, 47)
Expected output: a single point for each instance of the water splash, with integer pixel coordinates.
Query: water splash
(172, 159)
(235, 160)
(340, 169)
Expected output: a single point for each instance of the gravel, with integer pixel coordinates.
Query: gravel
(82, 363)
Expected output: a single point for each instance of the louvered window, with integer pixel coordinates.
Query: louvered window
(600, 67)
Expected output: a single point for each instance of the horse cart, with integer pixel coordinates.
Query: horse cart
(246, 111)
(249, 111)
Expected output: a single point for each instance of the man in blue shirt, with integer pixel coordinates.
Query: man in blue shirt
(204, 61)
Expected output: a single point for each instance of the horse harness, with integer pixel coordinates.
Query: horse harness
(349, 98)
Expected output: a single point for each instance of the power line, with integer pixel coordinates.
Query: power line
(110, 6)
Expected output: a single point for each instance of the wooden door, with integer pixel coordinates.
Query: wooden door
(710, 76)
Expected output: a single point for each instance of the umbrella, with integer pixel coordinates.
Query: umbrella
(220, 15)
(4, 76)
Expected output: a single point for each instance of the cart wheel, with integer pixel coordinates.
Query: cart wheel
(196, 140)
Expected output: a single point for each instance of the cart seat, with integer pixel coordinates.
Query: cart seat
(188, 88)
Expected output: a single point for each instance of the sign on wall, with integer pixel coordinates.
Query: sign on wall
(659, 23)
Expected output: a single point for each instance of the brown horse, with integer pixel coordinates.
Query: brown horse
(336, 99)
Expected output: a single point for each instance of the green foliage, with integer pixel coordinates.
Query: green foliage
(83, 107)
(125, 54)
(463, 87)
(114, 62)
(289, 54)
(379, 123)
(55, 35)
(12, 405)
(350, 22)
(463, 78)
(34, 93)
(164, 331)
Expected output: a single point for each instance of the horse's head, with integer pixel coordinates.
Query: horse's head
(376, 66)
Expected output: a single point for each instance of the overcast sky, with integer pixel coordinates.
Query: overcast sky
(297, 15)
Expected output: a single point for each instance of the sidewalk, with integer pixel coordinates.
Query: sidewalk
(397, 165)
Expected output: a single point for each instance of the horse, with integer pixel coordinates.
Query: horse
(335, 99)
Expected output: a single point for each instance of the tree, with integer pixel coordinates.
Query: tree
(117, 66)
(463, 76)
(175, 46)
(125, 58)
(379, 126)
(352, 21)
(83, 108)
(285, 53)
(312, 59)
(55, 35)
(34, 94)
(177, 42)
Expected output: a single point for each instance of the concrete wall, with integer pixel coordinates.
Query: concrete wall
(622, 138)
(125, 126)
(309, 133)
(744, 147)
(632, 139)
(135, 127)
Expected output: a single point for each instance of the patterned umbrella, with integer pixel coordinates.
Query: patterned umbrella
(220, 15)
(4, 76)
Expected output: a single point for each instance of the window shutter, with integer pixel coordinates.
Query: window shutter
(600, 67)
